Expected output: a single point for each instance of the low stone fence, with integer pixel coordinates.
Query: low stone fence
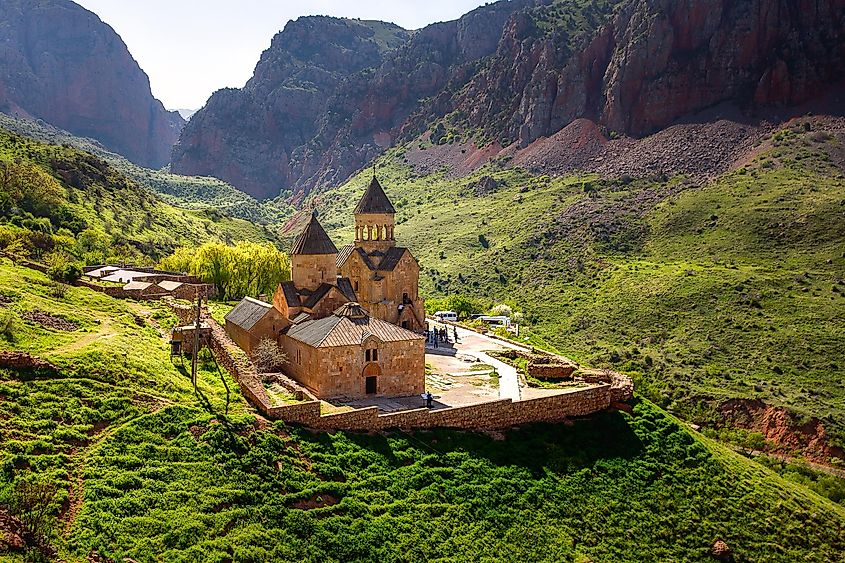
(488, 415)
(543, 365)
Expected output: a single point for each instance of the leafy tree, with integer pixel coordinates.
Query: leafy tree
(248, 268)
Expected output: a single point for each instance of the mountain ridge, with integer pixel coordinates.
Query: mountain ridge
(512, 73)
(59, 62)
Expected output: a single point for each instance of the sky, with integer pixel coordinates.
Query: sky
(190, 48)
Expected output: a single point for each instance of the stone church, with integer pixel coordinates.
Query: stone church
(345, 319)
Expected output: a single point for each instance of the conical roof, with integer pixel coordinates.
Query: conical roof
(351, 310)
(313, 240)
(374, 200)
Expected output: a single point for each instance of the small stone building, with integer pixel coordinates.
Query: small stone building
(350, 354)
(345, 320)
(251, 320)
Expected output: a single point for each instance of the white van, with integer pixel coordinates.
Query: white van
(451, 316)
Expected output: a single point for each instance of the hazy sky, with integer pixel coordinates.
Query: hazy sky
(190, 48)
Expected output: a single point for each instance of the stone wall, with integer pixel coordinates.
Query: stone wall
(481, 416)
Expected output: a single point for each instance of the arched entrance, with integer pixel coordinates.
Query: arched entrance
(371, 375)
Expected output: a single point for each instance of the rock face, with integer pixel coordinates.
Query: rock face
(256, 138)
(517, 71)
(657, 61)
(60, 63)
(328, 96)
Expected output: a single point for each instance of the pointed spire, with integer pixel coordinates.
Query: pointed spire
(374, 199)
(313, 239)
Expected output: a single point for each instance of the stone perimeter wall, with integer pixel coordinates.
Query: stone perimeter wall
(489, 415)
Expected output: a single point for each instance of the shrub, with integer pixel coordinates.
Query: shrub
(61, 269)
(7, 324)
(268, 357)
(30, 503)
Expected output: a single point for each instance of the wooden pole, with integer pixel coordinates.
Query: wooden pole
(196, 342)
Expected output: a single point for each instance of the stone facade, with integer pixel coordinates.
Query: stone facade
(390, 295)
(343, 371)
(311, 270)
(267, 327)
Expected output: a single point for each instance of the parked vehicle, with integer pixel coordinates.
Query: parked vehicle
(496, 321)
(451, 316)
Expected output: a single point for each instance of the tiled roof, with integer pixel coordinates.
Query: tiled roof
(344, 254)
(348, 326)
(291, 294)
(321, 291)
(248, 312)
(137, 286)
(391, 259)
(374, 200)
(313, 240)
(124, 276)
(345, 287)
(377, 261)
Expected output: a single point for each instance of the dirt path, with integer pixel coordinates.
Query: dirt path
(76, 490)
(103, 331)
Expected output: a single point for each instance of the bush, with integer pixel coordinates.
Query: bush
(61, 269)
(7, 324)
(268, 357)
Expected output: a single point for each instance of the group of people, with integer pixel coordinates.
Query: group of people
(435, 335)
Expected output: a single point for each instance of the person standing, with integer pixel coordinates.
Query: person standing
(429, 398)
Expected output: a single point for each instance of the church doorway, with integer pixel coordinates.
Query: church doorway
(371, 385)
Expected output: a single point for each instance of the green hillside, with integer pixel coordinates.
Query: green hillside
(188, 192)
(705, 292)
(142, 468)
(88, 207)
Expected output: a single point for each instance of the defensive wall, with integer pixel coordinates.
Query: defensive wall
(488, 415)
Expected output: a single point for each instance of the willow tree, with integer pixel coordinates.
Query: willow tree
(247, 268)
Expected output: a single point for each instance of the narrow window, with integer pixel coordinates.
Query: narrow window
(367, 355)
(375, 355)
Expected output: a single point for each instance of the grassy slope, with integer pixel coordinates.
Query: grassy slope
(114, 369)
(167, 478)
(189, 192)
(107, 200)
(729, 290)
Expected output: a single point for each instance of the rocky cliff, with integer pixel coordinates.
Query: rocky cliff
(60, 63)
(328, 96)
(253, 137)
(654, 62)
(510, 72)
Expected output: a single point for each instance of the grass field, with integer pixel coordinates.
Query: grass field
(143, 468)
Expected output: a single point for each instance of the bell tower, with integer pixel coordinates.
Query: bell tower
(375, 220)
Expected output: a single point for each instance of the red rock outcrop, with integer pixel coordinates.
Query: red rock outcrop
(60, 63)
(783, 431)
(656, 61)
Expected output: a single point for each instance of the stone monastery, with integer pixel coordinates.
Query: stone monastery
(346, 319)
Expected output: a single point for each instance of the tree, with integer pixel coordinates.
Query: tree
(501, 310)
(268, 356)
(248, 268)
(30, 503)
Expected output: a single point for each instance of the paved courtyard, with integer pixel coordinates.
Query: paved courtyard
(462, 373)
